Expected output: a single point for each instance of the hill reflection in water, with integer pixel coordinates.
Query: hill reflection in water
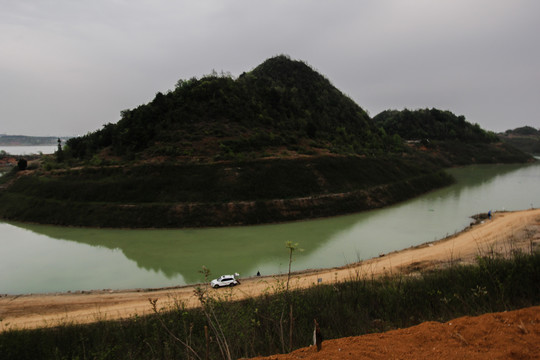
(223, 250)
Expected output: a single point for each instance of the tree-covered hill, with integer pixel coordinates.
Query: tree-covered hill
(447, 137)
(281, 104)
(523, 131)
(432, 124)
(525, 138)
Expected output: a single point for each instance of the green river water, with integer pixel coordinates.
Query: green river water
(40, 258)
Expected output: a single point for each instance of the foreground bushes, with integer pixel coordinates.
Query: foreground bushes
(263, 325)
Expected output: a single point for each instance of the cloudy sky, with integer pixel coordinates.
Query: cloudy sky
(68, 67)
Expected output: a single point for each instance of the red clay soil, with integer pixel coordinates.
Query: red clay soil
(506, 335)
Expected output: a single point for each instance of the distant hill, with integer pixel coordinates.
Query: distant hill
(281, 106)
(432, 124)
(447, 137)
(523, 131)
(525, 138)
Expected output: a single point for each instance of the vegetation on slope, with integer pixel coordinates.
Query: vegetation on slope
(281, 104)
(447, 137)
(525, 138)
(174, 195)
(432, 124)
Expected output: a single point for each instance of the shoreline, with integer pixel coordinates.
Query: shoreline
(505, 233)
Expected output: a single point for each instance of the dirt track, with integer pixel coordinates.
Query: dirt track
(505, 232)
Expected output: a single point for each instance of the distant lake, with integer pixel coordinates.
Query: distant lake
(28, 150)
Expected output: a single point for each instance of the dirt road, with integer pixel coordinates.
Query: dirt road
(506, 232)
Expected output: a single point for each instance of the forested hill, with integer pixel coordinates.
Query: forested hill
(447, 137)
(432, 124)
(281, 104)
(525, 138)
(523, 131)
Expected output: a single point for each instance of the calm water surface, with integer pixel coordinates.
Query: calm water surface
(28, 150)
(39, 258)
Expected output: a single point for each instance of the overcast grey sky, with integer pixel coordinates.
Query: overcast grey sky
(68, 67)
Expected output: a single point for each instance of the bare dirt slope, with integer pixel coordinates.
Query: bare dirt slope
(507, 335)
(505, 232)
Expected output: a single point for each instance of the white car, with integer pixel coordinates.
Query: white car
(225, 280)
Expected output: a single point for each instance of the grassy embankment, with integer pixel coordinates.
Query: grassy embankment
(282, 320)
(190, 195)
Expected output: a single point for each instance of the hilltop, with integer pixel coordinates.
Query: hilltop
(278, 143)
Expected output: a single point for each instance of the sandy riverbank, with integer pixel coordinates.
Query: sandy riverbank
(504, 233)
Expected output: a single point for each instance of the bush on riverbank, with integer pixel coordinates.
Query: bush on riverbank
(261, 325)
